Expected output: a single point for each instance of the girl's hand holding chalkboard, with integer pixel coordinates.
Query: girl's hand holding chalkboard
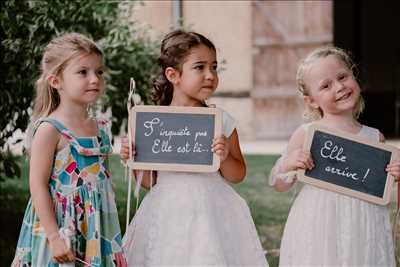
(124, 151)
(298, 159)
(394, 170)
(220, 146)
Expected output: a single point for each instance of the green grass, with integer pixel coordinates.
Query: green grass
(269, 208)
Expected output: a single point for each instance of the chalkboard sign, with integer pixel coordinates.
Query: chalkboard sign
(175, 138)
(348, 164)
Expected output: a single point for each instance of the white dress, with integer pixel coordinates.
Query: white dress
(329, 229)
(193, 219)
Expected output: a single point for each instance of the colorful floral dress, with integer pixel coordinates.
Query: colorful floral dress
(81, 190)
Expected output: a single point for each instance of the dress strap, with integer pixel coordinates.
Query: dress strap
(228, 123)
(370, 133)
(104, 136)
(100, 144)
(57, 124)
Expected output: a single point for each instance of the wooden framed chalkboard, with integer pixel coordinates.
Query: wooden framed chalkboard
(174, 138)
(348, 164)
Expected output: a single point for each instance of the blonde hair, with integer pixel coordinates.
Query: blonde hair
(310, 113)
(56, 57)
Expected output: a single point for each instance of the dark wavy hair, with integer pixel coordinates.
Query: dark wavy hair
(175, 47)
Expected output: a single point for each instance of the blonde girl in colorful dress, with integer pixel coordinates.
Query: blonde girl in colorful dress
(71, 217)
(325, 228)
(187, 218)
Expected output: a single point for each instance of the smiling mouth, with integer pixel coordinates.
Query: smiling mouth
(344, 97)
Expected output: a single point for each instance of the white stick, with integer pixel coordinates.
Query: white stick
(129, 105)
(128, 205)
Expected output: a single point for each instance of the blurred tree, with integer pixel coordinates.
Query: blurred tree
(27, 26)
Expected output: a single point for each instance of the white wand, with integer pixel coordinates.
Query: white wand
(127, 167)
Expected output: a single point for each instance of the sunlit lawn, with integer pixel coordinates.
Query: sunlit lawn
(269, 208)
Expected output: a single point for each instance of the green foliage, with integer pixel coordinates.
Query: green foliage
(27, 26)
(126, 58)
(8, 165)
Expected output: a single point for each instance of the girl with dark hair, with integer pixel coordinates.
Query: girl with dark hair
(193, 218)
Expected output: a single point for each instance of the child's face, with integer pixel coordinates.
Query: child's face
(198, 78)
(331, 86)
(82, 79)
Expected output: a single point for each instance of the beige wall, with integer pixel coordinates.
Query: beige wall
(155, 16)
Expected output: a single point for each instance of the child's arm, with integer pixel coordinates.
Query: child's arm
(233, 167)
(44, 145)
(295, 158)
(147, 181)
(394, 167)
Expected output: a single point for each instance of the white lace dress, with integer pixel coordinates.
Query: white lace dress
(329, 229)
(193, 219)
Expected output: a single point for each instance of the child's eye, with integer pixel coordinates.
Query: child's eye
(199, 67)
(215, 67)
(342, 77)
(100, 72)
(324, 86)
(83, 72)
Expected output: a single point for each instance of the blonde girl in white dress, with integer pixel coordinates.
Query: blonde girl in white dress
(193, 219)
(326, 228)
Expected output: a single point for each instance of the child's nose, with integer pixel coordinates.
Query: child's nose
(210, 75)
(94, 78)
(339, 86)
